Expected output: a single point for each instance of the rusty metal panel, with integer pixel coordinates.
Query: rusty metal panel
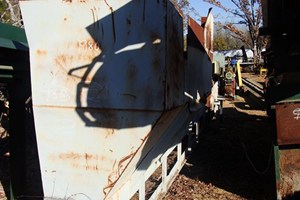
(288, 123)
(197, 30)
(204, 32)
(208, 35)
(100, 74)
(288, 170)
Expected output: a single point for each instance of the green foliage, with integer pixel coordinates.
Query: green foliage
(10, 12)
(3, 11)
(223, 40)
(220, 44)
(249, 13)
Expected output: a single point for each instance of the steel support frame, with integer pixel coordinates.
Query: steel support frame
(174, 139)
(167, 179)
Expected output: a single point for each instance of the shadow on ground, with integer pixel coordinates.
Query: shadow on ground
(236, 154)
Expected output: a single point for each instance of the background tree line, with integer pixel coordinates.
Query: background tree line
(223, 39)
(10, 12)
(233, 35)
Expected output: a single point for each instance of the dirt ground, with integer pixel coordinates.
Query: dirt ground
(254, 77)
(234, 158)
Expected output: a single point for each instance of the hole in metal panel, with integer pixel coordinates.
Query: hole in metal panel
(153, 182)
(171, 160)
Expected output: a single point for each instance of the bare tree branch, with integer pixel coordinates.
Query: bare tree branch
(11, 12)
(250, 13)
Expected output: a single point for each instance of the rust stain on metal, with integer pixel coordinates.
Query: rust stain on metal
(65, 62)
(82, 160)
(79, 1)
(109, 132)
(92, 168)
(121, 162)
(75, 156)
(41, 52)
(197, 30)
(115, 175)
(95, 17)
(288, 123)
(88, 156)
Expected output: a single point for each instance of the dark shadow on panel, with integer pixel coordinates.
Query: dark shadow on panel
(130, 88)
(120, 93)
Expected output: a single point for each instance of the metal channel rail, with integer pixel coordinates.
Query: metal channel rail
(255, 89)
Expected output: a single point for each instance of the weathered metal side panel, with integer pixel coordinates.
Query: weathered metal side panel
(199, 68)
(288, 123)
(175, 68)
(199, 71)
(90, 59)
(99, 84)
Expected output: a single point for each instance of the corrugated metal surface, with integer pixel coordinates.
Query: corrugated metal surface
(288, 123)
(103, 72)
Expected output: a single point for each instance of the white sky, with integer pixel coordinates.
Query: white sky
(219, 14)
